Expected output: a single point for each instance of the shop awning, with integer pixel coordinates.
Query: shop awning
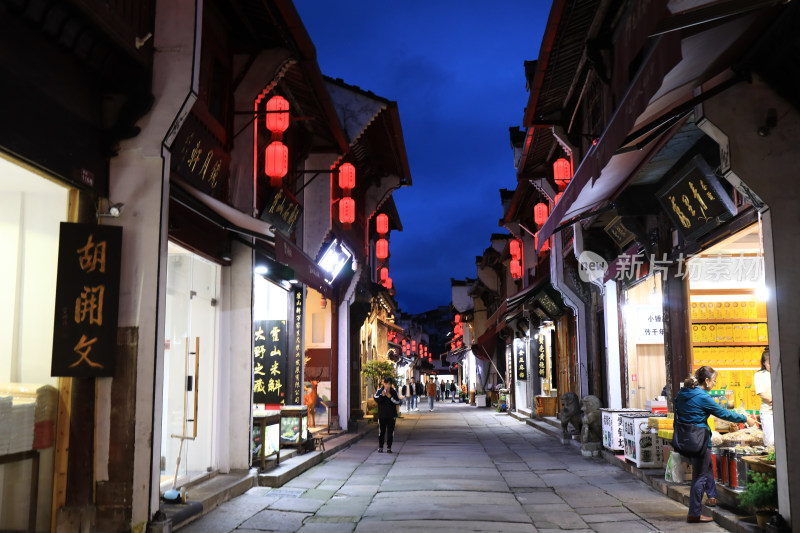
(481, 350)
(602, 171)
(456, 355)
(305, 269)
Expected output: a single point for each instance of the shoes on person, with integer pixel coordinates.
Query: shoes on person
(389, 450)
(380, 450)
(711, 502)
(698, 519)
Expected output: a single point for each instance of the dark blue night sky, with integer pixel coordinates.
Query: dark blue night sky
(455, 69)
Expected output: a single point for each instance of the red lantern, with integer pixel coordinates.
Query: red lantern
(515, 249)
(382, 224)
(562, 172)
(430, 359)
(384, 272)
(558, 196)
(413, 346)
(387, 283)
(459, 344)
(382, 249)
(516, 269)
(540, 213)
(458, 318)
(277, 116)
(347, 210)
(276, 162)
(458, 330)
(347, 177)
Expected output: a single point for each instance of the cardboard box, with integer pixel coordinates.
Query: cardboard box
(613, 437)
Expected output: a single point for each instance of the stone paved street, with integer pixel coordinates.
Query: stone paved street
(454, 470)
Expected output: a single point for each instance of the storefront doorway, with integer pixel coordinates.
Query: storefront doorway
(190, 368)
(31, 210)
(644, 341)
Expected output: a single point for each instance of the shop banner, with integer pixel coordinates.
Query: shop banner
(296, 348)
(541, 354)
(269, 362)
(648, 323)
(87, 300)
(519, 355)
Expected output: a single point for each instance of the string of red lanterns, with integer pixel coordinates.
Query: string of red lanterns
(515, 247)
(347, 206)
(276, 155)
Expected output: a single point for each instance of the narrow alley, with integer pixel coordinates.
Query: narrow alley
(455, 469)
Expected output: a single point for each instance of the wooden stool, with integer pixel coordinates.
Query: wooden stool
(319, 443)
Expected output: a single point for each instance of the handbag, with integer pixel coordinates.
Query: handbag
(688, 440)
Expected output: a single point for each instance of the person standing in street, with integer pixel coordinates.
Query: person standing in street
(442, 388)
(419, 390)
(763, 386)
(387, 400)
(694, 405)
(452, 392)
(431, 391)
(410, 395)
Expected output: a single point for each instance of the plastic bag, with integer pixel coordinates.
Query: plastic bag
(668, 470)
(676, 468)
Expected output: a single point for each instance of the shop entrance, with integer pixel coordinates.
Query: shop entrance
(644, 341)
(190, 368)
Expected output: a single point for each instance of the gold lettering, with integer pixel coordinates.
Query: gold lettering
(83, 348)
(194, 157)
(273, 370)
(92, 256)
(258, 370)
(684, 221)
(90, 303)
(274, 334)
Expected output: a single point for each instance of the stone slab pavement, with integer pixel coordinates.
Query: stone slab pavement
(456, 469)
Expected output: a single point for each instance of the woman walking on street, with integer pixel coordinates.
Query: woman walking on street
(694, 405)
(387, 400)
(430, 388)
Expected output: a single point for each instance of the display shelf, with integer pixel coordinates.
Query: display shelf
(723, 344)
(715, 292)
(728, 321)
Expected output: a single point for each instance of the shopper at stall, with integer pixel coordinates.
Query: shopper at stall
(694, 405)
(763, 387)
(430, 390)
(387, 401)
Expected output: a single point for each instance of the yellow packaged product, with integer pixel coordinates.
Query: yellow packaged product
(727, 310)
(693, 312)
(695, 333)
(666, 433)
(703, 333)
(712, 333)
(718, 313)
(701, 311)
(762, 332)
(752, 312)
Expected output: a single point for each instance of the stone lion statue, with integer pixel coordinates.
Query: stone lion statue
(570, 414)
(592, 420)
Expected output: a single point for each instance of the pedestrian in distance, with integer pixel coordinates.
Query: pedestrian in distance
(694, 405)
(452, 392)
(410, 395)
(440, 394)
(431, 391)
(419, 390)
(387, 400)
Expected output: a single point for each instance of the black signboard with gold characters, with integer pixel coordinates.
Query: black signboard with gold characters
(87, 300)
(522, 361)
(695, 200)
(541, 354)
(269, 362)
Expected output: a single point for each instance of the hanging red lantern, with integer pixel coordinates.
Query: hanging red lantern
(382, 249)
(458, 330)
(347, 177)
(540, 213)
(458, 318)
(347, 211)
(276, 162)
(515, 249)
(558, 196)
(516, 269)
(562, 172)
(382, 224)
(413, 346)
(387, 283)
(277, 116)
(384, 273)
(459, 344)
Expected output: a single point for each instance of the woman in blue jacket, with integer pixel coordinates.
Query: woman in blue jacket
(693, 406)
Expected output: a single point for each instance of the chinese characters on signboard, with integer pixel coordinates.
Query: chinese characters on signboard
(649, 323)
(519, 355)
(297, 348)
(269, 362)
(199, 158)
(282, 210)
(541, 354)
(87, 300)
(696, 202)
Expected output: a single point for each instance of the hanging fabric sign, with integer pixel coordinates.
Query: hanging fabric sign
(87, 300)
(269, 362)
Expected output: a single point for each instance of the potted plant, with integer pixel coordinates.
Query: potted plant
(761, 495)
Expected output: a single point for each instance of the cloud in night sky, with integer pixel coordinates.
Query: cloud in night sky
(456, 71)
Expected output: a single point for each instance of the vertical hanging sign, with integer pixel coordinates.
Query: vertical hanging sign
(542, 354)
(519, 355)
(87, 300)
(269, 362)
(297, 348)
